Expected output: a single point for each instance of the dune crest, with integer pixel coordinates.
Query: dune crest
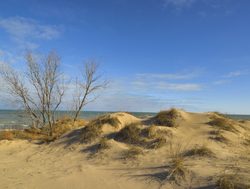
(119, 150)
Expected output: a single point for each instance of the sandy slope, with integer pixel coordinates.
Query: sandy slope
(65, 164)
(25, 165)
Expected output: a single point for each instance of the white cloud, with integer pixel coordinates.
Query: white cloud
(221, 82)
(178, 76)
(158, 82)
(25, 31)
(235, 74)
(179, 3)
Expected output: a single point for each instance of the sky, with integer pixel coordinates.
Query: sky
(156, 54)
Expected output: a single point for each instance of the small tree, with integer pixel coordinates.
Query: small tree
(39, 90)
(89, 83)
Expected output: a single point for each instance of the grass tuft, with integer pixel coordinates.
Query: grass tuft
(222, 123)
(90, 133)
(218, 136)
(158, 143)
(167, 118)
(177, 170)
(132, 153)
(106, 119)
(200, 151)
(230, 182)
(103, 144)
(130, 134)
(6, 135)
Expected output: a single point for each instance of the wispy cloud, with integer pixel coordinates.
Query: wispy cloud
(166, 81)
(176, 76)
(179, 4)
(228, 78)
(235, 74)
(25, 31)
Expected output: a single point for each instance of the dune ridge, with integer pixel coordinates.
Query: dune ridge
(187, 150)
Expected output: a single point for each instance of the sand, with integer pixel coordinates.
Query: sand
(66, 163)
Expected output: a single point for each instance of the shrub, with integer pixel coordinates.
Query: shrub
(166, 118)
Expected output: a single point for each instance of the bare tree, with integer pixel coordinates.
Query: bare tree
(86, 86)
(41, 89)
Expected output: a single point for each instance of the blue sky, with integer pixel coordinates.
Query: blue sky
(191, 54)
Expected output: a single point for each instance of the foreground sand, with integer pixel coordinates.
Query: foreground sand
(67, 163)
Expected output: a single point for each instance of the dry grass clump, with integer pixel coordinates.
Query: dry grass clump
(6, 135)
(177, 170)
(64, 125)
(153, 132)
(200, 151)
(130, 134)
(93, 129)
(230, 182)
(166, 118)
(61, 126)
(106, 119)
(158, 143)
(24, 135)
(218, 136)
(103, 144)
(132, 153)
(147, 138)
(90, 133)
(222, 123)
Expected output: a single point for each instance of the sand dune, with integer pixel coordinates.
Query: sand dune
(205, 151)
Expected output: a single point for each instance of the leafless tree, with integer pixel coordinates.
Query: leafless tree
(86, 86)
(40, 90)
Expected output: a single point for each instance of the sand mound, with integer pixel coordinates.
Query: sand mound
(125, 145)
